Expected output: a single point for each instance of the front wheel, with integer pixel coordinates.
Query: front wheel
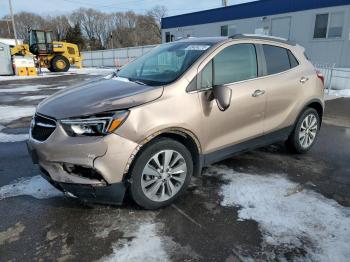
(161, 173)
(305, 132)
(59, 64)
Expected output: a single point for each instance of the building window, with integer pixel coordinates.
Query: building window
(224, 30)
(167, 37)
(336, 25)
(329, 25)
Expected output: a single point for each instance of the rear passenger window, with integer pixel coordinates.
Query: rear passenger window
(235, 63)
(293, 61)
(277, 59)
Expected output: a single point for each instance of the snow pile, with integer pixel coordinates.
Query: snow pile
(11, 113)
(146, 246)
(288, 215)
(36, 187)
(338, 93)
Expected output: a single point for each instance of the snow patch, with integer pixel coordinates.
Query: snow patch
(31, 98)
(36, 187)
(7, 138)
(11, 113)
(72, 71)
(289, 215)
(29, 88)
(146, 246)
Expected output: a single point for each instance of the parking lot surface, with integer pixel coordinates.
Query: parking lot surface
(263, 205)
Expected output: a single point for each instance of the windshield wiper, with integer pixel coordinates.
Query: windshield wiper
(137, 82)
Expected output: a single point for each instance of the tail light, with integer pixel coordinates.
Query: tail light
(320, 76)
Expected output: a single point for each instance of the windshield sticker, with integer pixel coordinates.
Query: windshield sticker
(197, 47)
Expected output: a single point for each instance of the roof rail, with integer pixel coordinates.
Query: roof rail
(263, 37)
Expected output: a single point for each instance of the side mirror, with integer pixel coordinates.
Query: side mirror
(222, 95)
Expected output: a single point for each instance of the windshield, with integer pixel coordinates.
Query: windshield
(164, 64)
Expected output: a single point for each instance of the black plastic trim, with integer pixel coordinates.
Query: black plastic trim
(260, 141)
(273, 39)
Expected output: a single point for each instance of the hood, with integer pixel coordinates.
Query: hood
(98, 96)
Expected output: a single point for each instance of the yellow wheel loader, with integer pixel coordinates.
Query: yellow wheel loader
(56, 56)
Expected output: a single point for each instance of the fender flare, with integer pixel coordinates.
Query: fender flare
(172, 130)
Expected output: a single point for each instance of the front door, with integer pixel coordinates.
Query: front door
(236, 67)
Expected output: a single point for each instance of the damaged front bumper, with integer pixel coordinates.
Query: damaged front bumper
(112, 194)
(90, 168)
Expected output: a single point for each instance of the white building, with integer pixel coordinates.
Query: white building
(321, 26)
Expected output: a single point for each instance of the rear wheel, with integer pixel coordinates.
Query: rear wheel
(59, 64)
(161, 173)
(305, 132)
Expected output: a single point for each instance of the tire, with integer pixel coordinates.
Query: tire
(151, 188)
(309, 124)
(59, 64)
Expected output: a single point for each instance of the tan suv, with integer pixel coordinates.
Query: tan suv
(166, 115)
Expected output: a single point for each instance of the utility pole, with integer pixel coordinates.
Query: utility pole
(224, 3)
(13, 22)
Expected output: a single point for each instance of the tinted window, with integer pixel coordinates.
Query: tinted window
(235, 63)
(277, 59)
(292, 60)
(321, 24)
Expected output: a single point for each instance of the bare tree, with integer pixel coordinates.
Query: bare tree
(98, 30)
(157, 13)
(59, 26)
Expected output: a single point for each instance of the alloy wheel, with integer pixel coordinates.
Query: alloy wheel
(164, 175)
(308, 131)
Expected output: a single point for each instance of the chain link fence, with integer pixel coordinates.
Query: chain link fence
(113, 57)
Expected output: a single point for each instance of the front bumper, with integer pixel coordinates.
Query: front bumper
(91, 168)
(110, 194)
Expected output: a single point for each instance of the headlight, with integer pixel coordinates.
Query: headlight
(94, 126)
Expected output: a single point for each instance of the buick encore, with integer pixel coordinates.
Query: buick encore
(182, 106)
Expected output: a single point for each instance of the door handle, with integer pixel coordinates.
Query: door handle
(258, 93)
(304, 79)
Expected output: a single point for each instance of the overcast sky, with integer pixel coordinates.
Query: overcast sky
(52, 7)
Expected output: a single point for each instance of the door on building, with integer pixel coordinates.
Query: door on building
(5, 58)
(281, 26)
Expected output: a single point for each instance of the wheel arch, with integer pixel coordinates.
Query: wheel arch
(315, 104)
(184, 136)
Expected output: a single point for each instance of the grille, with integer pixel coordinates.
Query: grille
(42, 127)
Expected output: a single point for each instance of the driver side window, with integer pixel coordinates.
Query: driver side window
(233, 64)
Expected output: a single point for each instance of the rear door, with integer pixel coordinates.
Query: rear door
(283, 87)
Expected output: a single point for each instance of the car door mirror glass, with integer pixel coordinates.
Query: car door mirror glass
(222, 95)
